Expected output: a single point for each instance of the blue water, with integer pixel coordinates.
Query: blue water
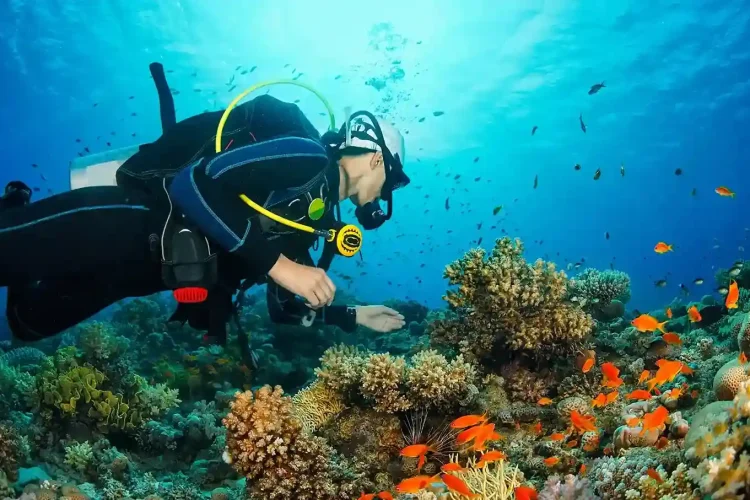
(677, 95)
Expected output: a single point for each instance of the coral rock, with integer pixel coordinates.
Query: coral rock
(632, 437)
(728, 379)
(567, 405)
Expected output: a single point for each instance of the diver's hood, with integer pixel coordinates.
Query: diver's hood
(99, 169)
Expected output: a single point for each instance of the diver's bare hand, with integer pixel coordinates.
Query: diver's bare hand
(380, 318)
(311, 283)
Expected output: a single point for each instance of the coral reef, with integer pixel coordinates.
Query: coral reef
(569, 488)
(503, 301)
(597, 289)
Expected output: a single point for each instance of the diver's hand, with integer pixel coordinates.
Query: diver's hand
(380, 318)
(311, 283)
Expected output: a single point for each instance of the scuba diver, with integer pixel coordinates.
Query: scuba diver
(178, 219)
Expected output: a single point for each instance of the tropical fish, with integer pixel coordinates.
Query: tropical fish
(469, 434)
(544, 402)
(487, 433)
(669, 312)
(662, 247)
(672, 338)
(534, 129)
(596, 88)
(724, 191)
(732, 296)
(577, 166)
(580, 121)
(662, 443)
(622, 170)
(667, 372)
(654, 475)
(492, 456)
(571, 444)
(551, 461)
(609, 370)
(597, 174)
(468, 421)
(599, 401)
(694, 315)
(742, 358)
(582, 423)
(645, 374)
(497, 209)
(457, 485)
(385, 495)
(639, 394)
(654, 420)
(647, 323)
(415, 484)
(415, 450)
(557, 436)
(525, 493)
(698, 281)
(660, 283)
(678, 171)
(452, 467)
(612, 397)
(582, 470)
(587, 365)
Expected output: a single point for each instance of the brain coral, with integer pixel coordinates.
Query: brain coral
(503, 300)
(728, 379)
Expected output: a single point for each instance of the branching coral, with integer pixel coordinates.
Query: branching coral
(525, 385)
(382, 380)
(598, 288)
(341, 367)
(724, 451)
(496, 481)
(433, 381)
(503, 300)
(79, 456)
(266, 444)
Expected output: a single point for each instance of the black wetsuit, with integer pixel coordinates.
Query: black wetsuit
(69, 256)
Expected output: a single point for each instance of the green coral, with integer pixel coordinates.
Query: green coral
(79, 456)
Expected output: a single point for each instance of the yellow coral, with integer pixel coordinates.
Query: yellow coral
(496, 481)
(432, 380)
(316, 404)
(502, 298)
(382, 379)
(341, 367)
(724, 468)
(728, 379)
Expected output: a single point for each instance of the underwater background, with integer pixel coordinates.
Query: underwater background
(491, 97)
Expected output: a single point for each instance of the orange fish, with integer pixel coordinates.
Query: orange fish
(537, 428)
(368, 496)
(742, 358)
(612, 397)
(639, 394)
(468, 421)
(612, 383)
(686, 370)
(662, 443)
(633, 422)
(645, 374)
(675, 393)
(591, 445)
(609, 370)
(420, 463)
(385, 495)
(672, 338)
(669, 312)
(655, 419)
(732, 296)
(582, 470)
(492, 456)
(662, 247)
(724, 191)
(544, 402)
(647, 323)
(587, 365)
(582, 423)
(694, 393)
(572, 444)
(667, 372)
(457, 485)
(557, 436)
(415, 484)
(694, 315)
(599, 401)
(415, 450)
(469, 434)
(551, 461)
(654, 475)
(483, 437)
(452, 467)
(525, 493)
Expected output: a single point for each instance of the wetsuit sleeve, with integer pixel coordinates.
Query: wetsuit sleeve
(208, 192)
(285, 308)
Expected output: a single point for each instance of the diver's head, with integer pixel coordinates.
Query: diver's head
(19, 191)
(371, 162)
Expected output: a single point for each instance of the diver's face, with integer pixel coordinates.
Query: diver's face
(371, 182)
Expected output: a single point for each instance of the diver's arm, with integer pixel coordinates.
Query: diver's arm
(286, 308)
(208, 192)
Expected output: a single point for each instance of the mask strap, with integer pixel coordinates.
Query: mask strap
(347, 124)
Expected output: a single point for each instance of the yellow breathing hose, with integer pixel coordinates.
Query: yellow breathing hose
(220, 130)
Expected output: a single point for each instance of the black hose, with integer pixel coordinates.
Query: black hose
(166, 103)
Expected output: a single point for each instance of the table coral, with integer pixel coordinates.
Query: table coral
(503, 300)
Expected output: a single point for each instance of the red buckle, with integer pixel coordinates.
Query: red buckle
(190, 295)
